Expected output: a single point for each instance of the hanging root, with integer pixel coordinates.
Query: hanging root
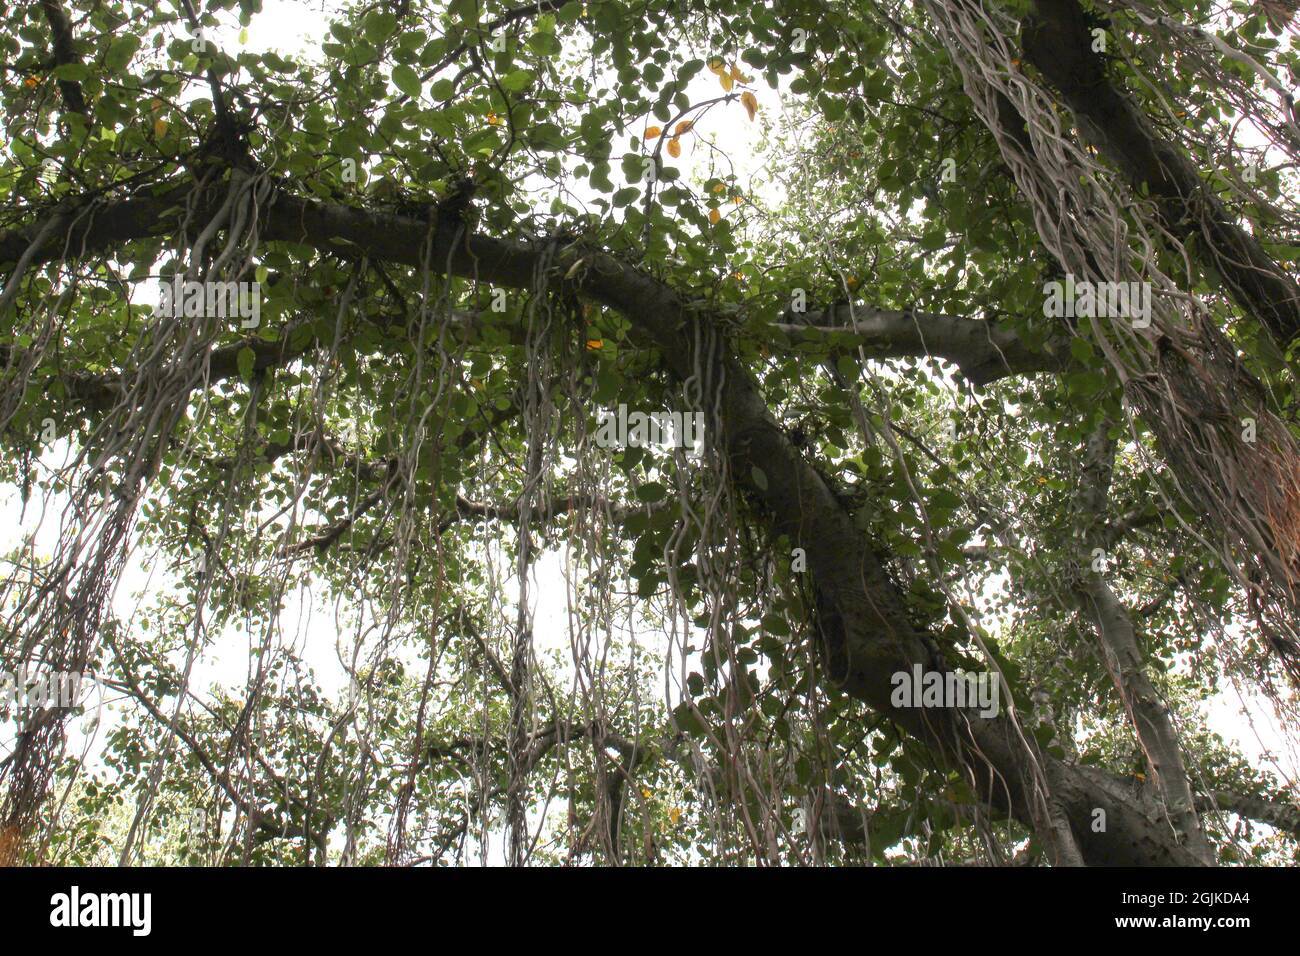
(53, 617)
(1233, 460)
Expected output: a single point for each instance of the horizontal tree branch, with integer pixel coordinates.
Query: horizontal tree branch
(1282, 816)
(984, 351)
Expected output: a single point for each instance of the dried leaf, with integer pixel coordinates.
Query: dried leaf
(750, 102)
(714, 216)
(674, 148)
(652, 132)
(684, 126)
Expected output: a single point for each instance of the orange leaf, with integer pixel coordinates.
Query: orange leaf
(683, 127)
(714, 216)
(594, 344)
(720, 188)
(750, 102)
(652, 132)
(32, 82)
(674, 148)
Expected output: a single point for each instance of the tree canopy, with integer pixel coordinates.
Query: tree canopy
(312, 362)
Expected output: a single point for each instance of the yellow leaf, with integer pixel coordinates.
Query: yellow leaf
(476, 383)
(720, 188)
(594, 344)
(750, 102)
(737, 200)
(851, 281)
(717, 66)
(494, 120)
(675, 814)
(726, 81)
(645, 793)
(652, 132)
(32, 82)
(683, 127)
(674, 148)
(156, 105)
(159, 128)
(714, 216)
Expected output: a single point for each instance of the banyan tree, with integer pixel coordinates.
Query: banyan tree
(650, 431)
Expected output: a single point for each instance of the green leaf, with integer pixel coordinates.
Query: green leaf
(120, 52)
(760, 478)
(379, 25)
(651, 491)
(406, 79)
(71, 71)
(245, 360)
(517, 80)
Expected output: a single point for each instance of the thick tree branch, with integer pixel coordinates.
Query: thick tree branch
(65, 53)
(1281, 816)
